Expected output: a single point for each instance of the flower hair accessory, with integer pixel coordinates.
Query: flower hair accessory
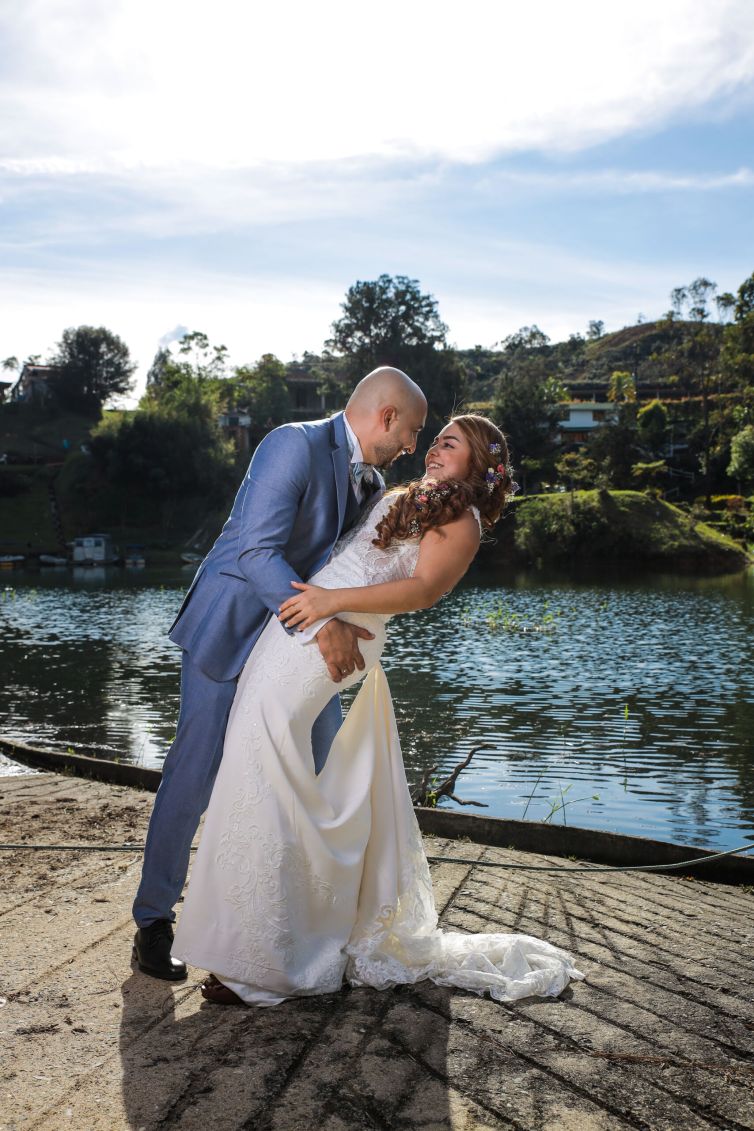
(429, 494)
(497, 474)
(434, 494)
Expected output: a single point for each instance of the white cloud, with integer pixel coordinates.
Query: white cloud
(134, 84)
(614, 181)
(177, 334)
(154, 203)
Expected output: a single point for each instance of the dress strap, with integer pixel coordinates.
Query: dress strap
(477, 516)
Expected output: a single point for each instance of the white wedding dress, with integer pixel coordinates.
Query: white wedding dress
(301, 881)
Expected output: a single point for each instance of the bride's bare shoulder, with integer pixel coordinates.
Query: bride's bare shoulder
(465, 530)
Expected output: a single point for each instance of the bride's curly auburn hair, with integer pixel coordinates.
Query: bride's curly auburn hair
(417, 508)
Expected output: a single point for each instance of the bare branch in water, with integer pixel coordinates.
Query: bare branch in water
(420, 792)
(428, 794)
(460, 801)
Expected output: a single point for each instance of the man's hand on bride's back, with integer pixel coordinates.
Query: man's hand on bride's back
(339, 644)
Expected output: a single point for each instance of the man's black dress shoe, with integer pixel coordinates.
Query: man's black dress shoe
(152, 952)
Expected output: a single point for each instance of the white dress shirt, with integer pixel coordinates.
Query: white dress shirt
(357, 456)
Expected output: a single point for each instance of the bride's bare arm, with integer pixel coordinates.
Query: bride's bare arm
(444, 556)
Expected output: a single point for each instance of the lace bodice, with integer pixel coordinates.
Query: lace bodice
(355, 561)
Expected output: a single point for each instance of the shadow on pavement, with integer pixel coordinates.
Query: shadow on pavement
(342, 1061)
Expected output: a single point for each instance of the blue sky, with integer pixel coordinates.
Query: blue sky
(167, 165)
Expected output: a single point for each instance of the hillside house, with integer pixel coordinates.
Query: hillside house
(307, 403)
(581, 418)
(33, 384)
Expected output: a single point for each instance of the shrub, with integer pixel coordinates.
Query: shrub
(728, 502)
(13, 483)
(561, 526)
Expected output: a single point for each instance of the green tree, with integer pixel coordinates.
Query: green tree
(384, 318)
(649, 475)
(525, 340)
(528, 396)
(622, 387)
(615, 446)
(577, 469)
(389, 321)
(159, 367)
(189, 381)
(164, 455)
(693, 301)
(737, 354)
(697, 360)
(652, 421)
(262, 391)
(745, 299)
(741, 466)
(93, 366)
(207, 361)
(726, 304)
(694, 357)
(172, 447)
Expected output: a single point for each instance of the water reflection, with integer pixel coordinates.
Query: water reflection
(627, 705)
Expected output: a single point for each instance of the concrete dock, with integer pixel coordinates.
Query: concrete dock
(659, 1036)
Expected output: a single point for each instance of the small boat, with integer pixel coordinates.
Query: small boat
(191, 558)
(8, 561)
(134, 557)
(52, 560)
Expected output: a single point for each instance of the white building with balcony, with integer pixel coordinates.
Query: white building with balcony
(581, 418)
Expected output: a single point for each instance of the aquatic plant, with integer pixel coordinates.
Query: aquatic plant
(502, 619)
(558, 805)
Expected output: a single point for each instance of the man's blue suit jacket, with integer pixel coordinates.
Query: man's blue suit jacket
(287, 516)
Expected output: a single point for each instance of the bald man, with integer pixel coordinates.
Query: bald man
(306, 485)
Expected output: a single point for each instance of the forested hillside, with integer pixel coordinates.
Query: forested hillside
(671, 402)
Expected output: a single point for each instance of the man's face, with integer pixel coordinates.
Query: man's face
(400, 436)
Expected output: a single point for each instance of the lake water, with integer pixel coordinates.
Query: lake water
(626, 706)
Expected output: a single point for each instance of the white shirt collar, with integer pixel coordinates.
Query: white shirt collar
(353, 440)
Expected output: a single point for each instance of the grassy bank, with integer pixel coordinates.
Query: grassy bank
(29, 433)
(26, 521)
(622, 527)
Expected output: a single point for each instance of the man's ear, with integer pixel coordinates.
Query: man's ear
(389, 416)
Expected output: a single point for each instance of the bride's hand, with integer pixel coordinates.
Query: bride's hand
(311, 604)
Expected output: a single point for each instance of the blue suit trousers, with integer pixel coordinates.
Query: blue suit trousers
(188, 775)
